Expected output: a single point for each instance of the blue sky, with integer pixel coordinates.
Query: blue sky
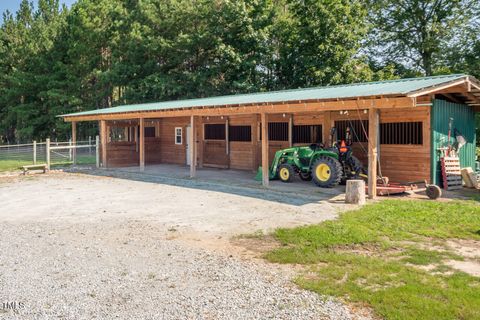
(12, 5)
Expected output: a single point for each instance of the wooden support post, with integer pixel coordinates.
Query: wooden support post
(135, 137)
(373, 120)
(290, 131)
(70, 150)
(97, 151)
(255, 142)
(193, 147)
(74, 142)
(200, 141)
(47, 149)
(34, 152)
(103, 142)
(227, 141)
(142, 144)
(327, 126)
(265, 165)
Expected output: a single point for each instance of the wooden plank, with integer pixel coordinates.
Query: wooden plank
(265, 164)
(142, 144)
(373, 122)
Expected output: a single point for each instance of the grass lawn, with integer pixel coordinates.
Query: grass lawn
(12, 165)
(391, 257)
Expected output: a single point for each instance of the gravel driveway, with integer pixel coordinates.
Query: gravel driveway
(81, 247)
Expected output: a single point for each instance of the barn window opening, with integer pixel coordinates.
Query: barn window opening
(277, 131)
(178, 135)
(358, 129)
(240, 133)
(401, 133)
(118, 134)
(215, 131)
(307, 134)
(149, 132)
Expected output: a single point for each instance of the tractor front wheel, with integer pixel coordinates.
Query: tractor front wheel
(327, 172)
(285, 172)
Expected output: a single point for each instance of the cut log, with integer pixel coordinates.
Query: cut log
(355, 192)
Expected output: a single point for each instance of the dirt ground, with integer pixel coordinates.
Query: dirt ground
(80, 246)
(189, 212)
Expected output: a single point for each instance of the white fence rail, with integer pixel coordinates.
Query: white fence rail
(57, 153)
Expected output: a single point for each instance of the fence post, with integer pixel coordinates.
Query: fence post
(47, 148)
(34, 152)
(70, 150)
(97, 151)
(90, 144)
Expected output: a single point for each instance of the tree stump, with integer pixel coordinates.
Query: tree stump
(355, 192)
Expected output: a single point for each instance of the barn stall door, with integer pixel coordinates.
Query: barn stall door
(215, 146)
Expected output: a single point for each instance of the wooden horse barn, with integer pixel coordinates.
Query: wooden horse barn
(398, 127)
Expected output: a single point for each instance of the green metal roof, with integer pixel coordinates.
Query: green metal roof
(390, 87)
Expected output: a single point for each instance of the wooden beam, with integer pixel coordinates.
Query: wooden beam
(265, 164)
(74, 142)
(193, 147)
(373, 123)
(380, 103)
(103, 142)
(142, 144)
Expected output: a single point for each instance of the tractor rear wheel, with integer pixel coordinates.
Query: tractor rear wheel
(285, 172)
(351, 170)
(327, 172)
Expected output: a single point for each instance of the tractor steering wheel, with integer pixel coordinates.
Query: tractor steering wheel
(315, 146)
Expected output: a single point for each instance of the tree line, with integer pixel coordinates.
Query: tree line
(102, 53)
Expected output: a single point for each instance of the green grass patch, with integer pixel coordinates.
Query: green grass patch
(369, 256)
(425, 257)
(14, 165)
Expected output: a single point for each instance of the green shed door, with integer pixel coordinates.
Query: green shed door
(464, 121)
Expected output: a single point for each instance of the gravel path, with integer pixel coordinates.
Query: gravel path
(127, 270)
(83, 247)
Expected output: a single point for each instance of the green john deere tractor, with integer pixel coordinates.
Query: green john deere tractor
(310, 163)
(327, 167)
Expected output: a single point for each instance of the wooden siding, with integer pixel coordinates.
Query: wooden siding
(122, 154)
(169, 151)
(242, 153)
(406, 162)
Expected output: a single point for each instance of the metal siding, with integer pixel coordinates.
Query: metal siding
(378, 88)
(464, 120)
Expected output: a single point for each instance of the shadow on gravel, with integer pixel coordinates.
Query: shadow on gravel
(240, 183)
